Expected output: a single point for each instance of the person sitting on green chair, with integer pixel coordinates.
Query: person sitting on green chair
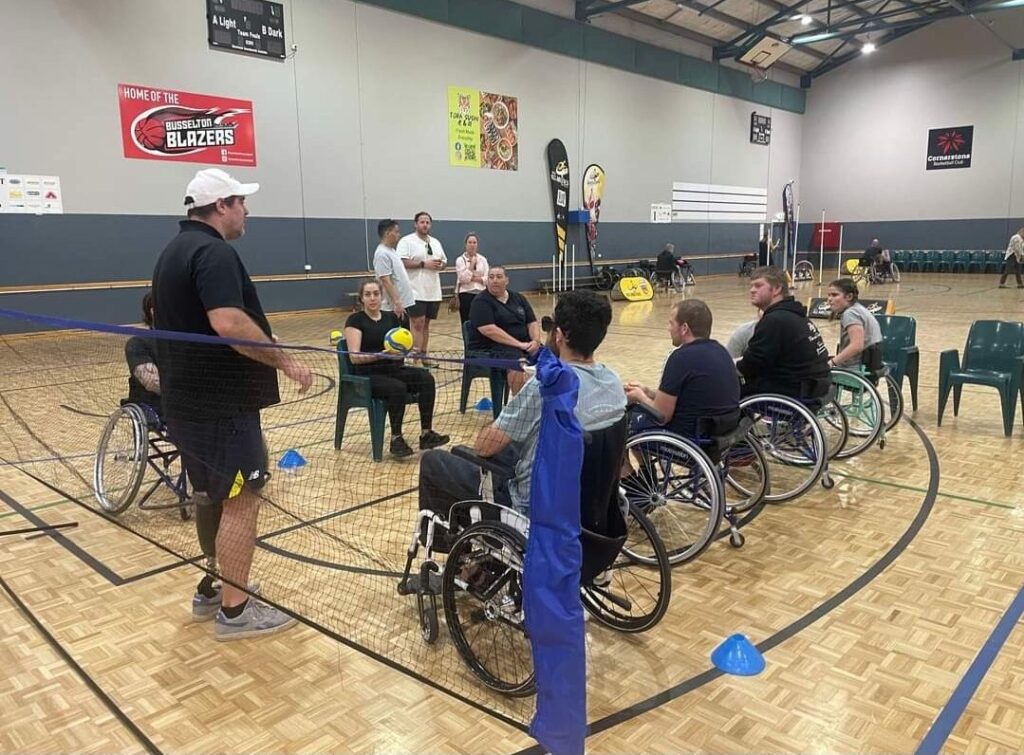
(390, 379)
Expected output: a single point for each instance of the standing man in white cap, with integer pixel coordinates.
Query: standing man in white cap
(212, 394)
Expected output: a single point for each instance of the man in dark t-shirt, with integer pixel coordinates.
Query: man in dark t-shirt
(699, 379)
(212, 392)
(502, 324)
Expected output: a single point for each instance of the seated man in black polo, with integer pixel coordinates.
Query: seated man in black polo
(502, 325)
(699, 379)
(143, 376)
(786, 353)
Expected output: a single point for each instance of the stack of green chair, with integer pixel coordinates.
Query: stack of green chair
(916, 261)
(995, 261)
(993, 356)
(961, 261)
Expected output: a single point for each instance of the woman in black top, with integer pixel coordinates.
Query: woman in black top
(390, 379)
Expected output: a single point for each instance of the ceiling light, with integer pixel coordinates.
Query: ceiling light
(868, 47)
(805, 20)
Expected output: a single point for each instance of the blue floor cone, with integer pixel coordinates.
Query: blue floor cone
(736, 655)
(291, 461)
(484, 405)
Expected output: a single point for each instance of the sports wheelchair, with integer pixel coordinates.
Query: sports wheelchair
(803, 271)
(689, 487)
(873, 271)
(790, 433)
(747, 265)
(134, 440)
(625, 580)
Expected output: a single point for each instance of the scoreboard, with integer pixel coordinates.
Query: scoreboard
(250, 26)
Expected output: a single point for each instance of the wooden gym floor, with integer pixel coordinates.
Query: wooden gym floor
(870, 601)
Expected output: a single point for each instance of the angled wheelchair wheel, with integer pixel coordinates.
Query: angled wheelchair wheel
(792, 441)
(745, 471)
(892, 402)
(835, 428)
(894, 272)
(482, 593)
(605, 278)
(120, 462)
(804, 271)
(632, 595)
(679, 280)
(861, 404)
(674, 484)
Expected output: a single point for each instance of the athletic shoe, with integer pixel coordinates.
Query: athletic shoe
(1002, 285)
(205, 608)
(400, 449)
(257, 619)
(430, 439)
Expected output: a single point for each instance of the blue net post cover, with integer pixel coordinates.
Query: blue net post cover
(484, 405)
(292, 461)
(737, 655)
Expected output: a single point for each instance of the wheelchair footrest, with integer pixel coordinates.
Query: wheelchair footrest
(411, 586)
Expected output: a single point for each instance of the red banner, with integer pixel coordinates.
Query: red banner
(165, 124)
(827, 232)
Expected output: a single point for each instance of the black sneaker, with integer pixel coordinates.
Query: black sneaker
(430, 439)
(400, 449)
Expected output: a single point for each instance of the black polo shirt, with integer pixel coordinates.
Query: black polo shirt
(702, 377)
(197, 272)
(513, 317)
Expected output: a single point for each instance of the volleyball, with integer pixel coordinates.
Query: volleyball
(398, 341)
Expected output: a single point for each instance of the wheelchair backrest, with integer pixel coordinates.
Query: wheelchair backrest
(993, 345)
(602, 518)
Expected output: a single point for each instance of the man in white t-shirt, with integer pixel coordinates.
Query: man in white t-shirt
(424, 258)
(389, 270)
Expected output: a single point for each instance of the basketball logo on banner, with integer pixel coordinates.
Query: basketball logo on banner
(558, 172)
(593, 191)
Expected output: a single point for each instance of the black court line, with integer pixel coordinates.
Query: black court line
(80, 672)
(312, 522)
(350, 643)
(698, 681)
(330, 564)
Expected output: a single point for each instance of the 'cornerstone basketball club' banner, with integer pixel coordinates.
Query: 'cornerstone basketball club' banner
(558, 171)
(165, 124)
(950, 147)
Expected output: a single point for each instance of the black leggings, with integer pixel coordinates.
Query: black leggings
(465, 300)
(393, 383)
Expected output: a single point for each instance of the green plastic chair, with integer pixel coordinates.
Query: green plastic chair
(472, 371)
(899, 350)
(354, 393)
(978, 260)
(995, 261)
(915, 262)
(993, 356)
(961, 261)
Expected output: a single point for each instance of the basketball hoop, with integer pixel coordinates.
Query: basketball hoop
(757, 74)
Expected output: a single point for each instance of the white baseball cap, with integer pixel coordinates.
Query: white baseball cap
(212, 184)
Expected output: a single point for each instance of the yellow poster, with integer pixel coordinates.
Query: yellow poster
(636, 289)
(464, 127)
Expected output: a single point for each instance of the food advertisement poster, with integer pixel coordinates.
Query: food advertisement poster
(483, 129)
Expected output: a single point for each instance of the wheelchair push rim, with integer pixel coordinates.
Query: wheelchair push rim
(120, 462)
(676, 487)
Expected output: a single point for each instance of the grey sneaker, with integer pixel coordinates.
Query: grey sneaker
(204, 608)
(256, 619)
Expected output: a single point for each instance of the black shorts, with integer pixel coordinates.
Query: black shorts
(222, 456)
(499, 351)
(421, 308)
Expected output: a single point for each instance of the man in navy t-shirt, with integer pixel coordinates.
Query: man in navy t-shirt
(699, 379)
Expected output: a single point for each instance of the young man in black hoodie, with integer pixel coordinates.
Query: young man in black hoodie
(786, 354)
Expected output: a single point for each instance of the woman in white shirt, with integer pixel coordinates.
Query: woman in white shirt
(1013, 258)
(471, 275)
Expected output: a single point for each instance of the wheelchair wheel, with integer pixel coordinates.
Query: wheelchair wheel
(835, 428)
(892, 402)
(676, 487)
(861, 404)
(804, 271)
(630, 596)
(482, 592)
(745, 471)
(792, 442)
(120, 459)
(679, 279)
(894, 272)
(604, 279)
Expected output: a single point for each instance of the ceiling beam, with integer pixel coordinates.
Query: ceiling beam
(586, 9)
(833, 64)
(855, 26)
(725, 18)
